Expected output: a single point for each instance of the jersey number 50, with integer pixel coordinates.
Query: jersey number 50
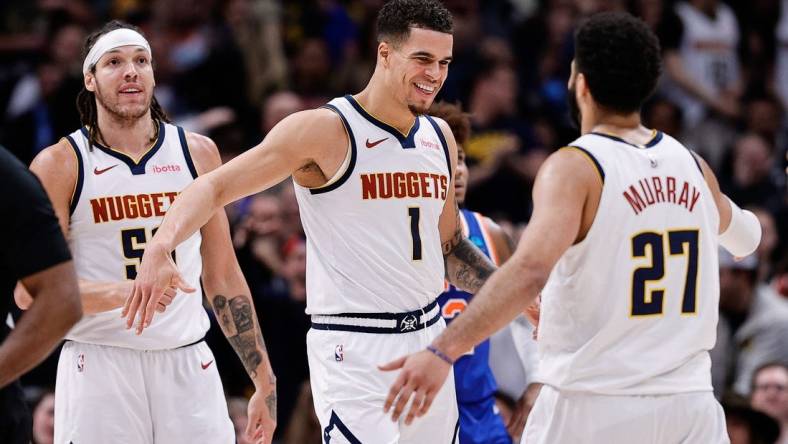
(650, 302)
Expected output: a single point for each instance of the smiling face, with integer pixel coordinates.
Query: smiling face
(122, 81)
(417, 67)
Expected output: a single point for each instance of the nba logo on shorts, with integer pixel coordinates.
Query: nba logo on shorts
(81, 362)
(339, 355)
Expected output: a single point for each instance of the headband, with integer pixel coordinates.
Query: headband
(111, 40)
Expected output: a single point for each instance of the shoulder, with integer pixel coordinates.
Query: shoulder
(571, 164)
(204, 152)
(312, 126)
(58, 161)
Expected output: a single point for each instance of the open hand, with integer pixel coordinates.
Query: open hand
(422, 376)
(157, 272)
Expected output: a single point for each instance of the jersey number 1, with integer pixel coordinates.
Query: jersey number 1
(415, 214)
(649, 302)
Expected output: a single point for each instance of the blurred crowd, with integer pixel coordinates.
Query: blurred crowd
(231, 69)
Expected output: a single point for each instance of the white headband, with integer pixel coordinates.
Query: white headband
(111, 40)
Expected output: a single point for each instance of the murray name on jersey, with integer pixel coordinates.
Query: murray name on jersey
(658, 189)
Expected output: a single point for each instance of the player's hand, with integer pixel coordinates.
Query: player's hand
(422, 376)
(166, 299)
(156, 273)
(262, 415)
(521, 411)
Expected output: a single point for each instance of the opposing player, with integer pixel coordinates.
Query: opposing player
(474, 382)
(110, 183)
(623, 242)
(374, 180)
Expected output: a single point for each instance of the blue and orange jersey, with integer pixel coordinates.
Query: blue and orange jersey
(473, 378)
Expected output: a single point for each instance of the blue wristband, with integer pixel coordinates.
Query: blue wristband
(440, 354)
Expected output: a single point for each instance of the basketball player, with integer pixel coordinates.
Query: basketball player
(374, 179)
(111, 183)
(623, 244)
(474, 382)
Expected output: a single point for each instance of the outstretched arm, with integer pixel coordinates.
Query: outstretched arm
(466, 266)
(300, 140)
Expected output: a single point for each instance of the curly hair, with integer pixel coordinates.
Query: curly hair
(86, 100)
(458, 121)
(397, 17)
(620, 58)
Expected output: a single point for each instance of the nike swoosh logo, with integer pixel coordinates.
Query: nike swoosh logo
(204, 366)
(374, 144)
(97, 171)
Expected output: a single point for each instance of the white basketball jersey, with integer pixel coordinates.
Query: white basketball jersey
(117, 205)
(708, 51)
(372, 231)
(632, 308)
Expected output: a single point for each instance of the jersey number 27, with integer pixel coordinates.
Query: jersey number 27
(647, 302)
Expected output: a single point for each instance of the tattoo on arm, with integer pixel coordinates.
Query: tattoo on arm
(270, 402)
(237, 322)
(466, 266)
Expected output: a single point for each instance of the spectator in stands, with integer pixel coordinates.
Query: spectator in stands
(754, 180)
(752, 327)
(704, 74)
(748, 426)
(499, 141)
(770, 394)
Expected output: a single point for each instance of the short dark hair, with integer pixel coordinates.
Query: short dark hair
(86, 100)
(397, 17)
(619, 57)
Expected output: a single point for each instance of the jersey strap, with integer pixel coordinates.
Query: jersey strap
(80, 176)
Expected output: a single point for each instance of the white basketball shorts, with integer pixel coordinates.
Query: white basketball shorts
(564, 418)
(120, 395)
(349, 391)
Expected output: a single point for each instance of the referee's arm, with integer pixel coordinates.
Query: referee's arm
(35, 252)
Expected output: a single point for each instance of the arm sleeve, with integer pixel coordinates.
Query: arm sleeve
(32, 238)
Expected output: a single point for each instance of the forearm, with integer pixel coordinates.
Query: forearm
(238, 320)
(190, 211)
(505, 295)
(98, 297)
(38, 331)
(467, 267)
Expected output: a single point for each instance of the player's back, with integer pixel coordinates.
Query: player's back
(372, 231)
(632, 308)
